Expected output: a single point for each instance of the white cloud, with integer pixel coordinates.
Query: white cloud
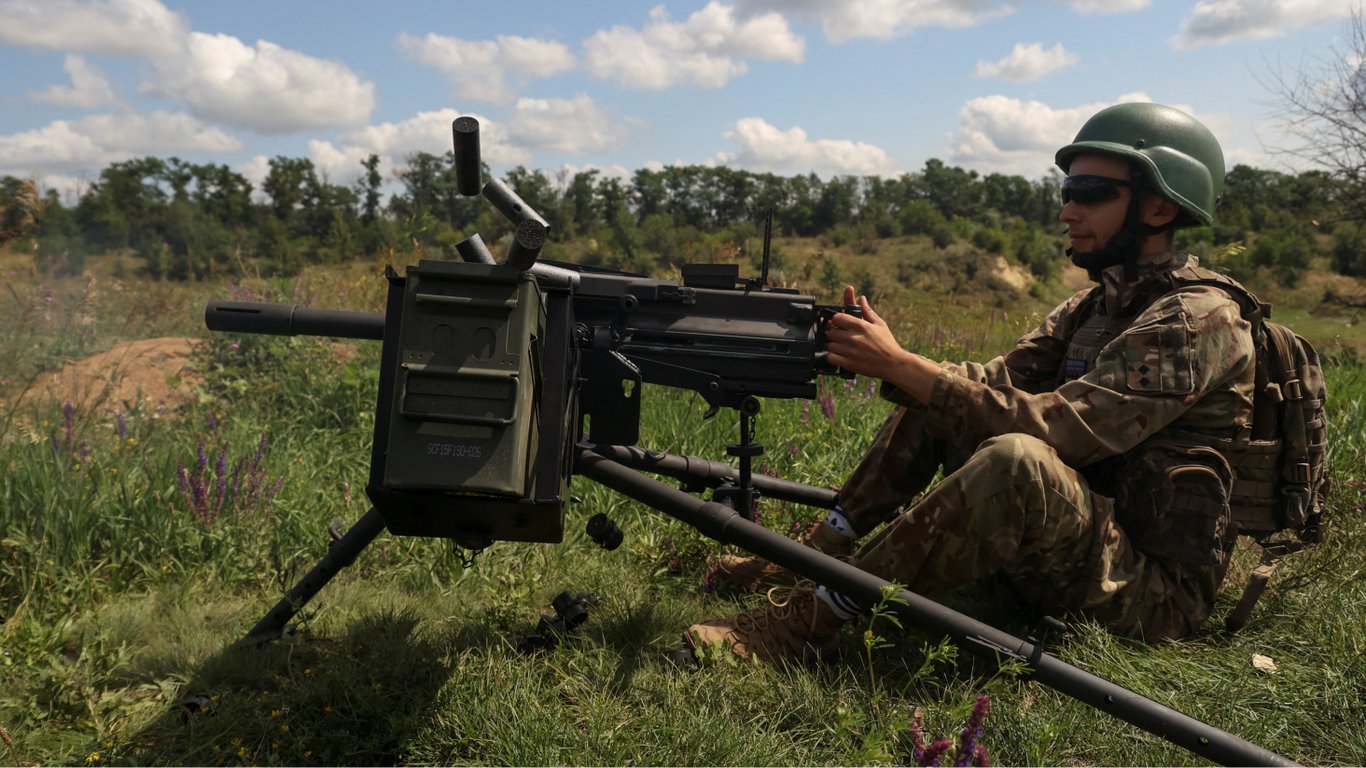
(255, 171)
(1007, 135)
(265, 89)
(89, 88)
(1028, 62)
(1107, 6)
(142, 29)
(158, 133)
(431, 132)
(1215, 22)
(489, 70)
(1016, 136)
(58, 144)
(574, 126)
(74, 146)
(764, 147)
(567, 171)
(885, 19)
(339, 165)
(706, 50)
(428, 132)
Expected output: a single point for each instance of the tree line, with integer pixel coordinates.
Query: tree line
(187, 220)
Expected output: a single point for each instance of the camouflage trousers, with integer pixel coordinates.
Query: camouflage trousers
(1013, 508)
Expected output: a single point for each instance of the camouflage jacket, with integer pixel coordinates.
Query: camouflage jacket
(1099, 389)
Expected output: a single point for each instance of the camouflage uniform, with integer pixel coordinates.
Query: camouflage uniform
(1030, 443)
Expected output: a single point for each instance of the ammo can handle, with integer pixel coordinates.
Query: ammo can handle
(447, 372)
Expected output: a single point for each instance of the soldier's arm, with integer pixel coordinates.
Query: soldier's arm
(868, 347)
(1185, 346)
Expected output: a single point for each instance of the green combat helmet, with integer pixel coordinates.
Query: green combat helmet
(1176, 153)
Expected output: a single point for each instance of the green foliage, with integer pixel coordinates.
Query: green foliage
(267, 371)
(1233, 259)
(186, 221)
(1286, 252)
(20, 208)
(921, 217)
(1349, 249)
(831, 274)
(992, 240)
(1040, 253)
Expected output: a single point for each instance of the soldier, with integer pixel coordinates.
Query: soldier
(1079, 465)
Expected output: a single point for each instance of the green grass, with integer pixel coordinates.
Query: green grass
(122, 597)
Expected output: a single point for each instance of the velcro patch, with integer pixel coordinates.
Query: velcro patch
(1158, 360)
(1074, 368)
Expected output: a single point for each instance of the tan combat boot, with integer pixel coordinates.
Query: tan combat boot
(798, 627)
(755, 574)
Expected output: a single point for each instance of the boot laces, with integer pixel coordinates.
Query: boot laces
(789, 617)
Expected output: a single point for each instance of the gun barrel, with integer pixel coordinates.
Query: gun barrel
(292, 320)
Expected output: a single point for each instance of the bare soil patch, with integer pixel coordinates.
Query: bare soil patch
(152, 375)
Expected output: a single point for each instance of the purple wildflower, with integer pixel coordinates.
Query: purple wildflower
(220, 470)
(709, 576)
(827, 402)
(918, 738)
(969, 747)
(69, 420)
(935, 752)
(236, 484)
(199, 499)
(120, 426)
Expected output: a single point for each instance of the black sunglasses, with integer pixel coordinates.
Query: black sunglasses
(1089, 190)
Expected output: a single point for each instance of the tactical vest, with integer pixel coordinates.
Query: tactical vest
(1185, 496)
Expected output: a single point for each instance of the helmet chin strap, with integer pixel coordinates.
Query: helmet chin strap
(1126, 244)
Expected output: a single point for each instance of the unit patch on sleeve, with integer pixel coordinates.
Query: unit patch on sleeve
(1157, 360)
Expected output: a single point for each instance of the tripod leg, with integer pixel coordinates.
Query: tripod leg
(342, 553)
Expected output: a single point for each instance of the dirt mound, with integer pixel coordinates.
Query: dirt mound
(151, 374)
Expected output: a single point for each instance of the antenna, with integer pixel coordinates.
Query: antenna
(768, 238)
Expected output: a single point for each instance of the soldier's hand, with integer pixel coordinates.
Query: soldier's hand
(864, 345)
(867, 346)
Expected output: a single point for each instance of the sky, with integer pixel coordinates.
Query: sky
(862, 87)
